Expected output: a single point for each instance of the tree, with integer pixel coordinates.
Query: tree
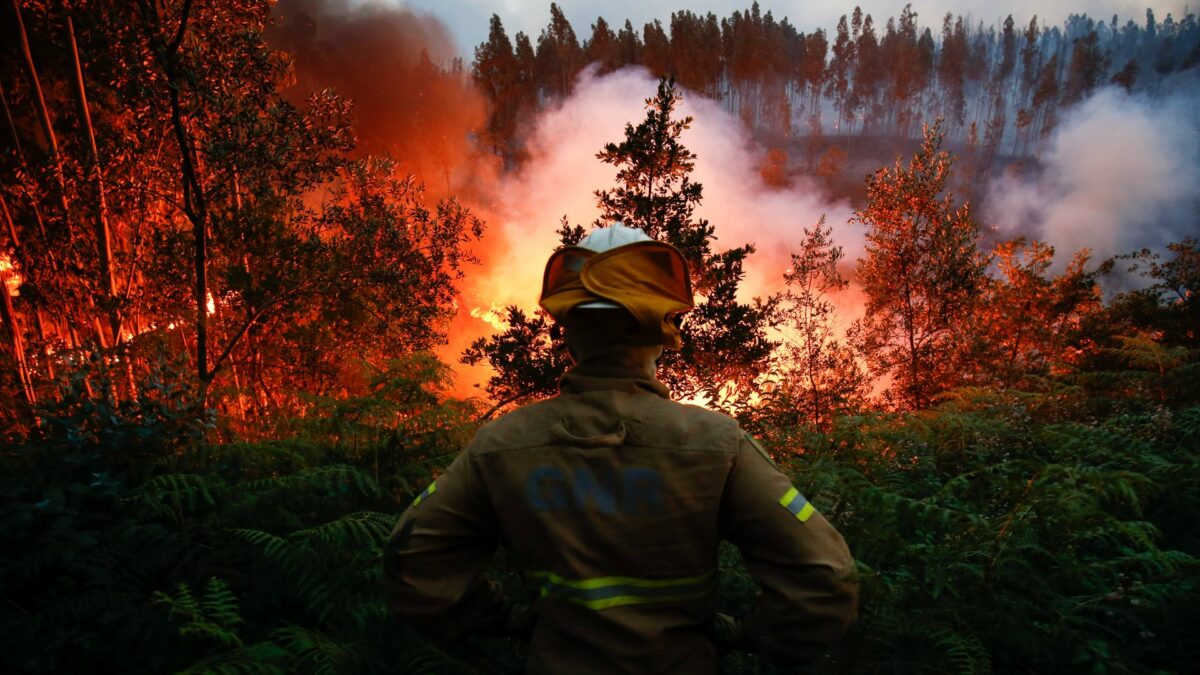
(921, 276)
(525, 359)
(629, 45)
(219, 249)
(559, 56)
(1046, 94)
(1089, 62)
(869, 71)
(952, 68)
(601, 48)
(696, 63)
(656, 49)
(840, 68)
(725, 346)
(1028, 320)
(724, 343)
(495, 73)
(1170, 304)
(820, 377)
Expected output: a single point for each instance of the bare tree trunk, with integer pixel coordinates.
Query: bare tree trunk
(43, 111)
(194, 200)
(8, 222)
(103, 234)
(10, 317)
(12, 127)
(48, 129)
(17, 344)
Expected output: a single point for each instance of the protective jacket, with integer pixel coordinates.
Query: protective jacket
(612, 499)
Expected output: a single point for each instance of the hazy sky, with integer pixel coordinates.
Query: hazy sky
(468, 19)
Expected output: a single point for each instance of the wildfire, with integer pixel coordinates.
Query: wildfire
(9, 276)
(493, 316)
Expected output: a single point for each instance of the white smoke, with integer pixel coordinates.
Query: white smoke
(562, 173)
(1121, 173)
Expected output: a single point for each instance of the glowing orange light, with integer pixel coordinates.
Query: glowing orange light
(493, 316)
(10, 276)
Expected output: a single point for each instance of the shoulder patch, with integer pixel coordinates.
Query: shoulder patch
(761, 450)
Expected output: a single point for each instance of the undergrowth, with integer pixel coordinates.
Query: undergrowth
(1000, 532)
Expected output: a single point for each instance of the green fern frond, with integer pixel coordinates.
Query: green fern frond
(173, 495)
(332, 479)
(263, 658)
(312, 652)
(963, 648)
(354, 530)
(213, 617)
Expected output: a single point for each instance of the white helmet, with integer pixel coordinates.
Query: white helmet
(604, 239)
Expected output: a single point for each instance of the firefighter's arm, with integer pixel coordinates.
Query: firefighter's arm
(433, 565)
(806, 574)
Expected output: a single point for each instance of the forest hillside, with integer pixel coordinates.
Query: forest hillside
(240, 252)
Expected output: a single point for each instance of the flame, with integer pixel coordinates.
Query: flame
(10, 276)
(493, 316)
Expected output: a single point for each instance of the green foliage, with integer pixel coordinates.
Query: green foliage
(234, 558)
(992, 537)
(1001, 531)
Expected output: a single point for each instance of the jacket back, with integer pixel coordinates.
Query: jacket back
(613, 500)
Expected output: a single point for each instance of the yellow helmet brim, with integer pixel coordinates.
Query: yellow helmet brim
(649, 279)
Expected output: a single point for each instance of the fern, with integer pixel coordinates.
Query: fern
(263, 658)
(311, 652)
(212, 617)
(363, 529)
(176, 495)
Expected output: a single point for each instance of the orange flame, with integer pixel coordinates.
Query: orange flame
(492, 316)
(9, 275)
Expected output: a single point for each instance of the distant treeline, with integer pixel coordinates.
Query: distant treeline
(993, 85)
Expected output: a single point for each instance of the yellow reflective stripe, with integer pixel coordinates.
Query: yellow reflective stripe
(626, 600)
(797, 505)
(604, 592)
(428, 491)
(600, 582)
(806, 512)
(788, 497)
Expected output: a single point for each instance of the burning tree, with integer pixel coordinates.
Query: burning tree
(1028, 321)
(184, 200)
(921, 275)
(821, 377)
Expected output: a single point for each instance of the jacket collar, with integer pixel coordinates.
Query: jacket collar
(629, 370)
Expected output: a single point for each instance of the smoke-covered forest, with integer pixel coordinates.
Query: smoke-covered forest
(267, 267)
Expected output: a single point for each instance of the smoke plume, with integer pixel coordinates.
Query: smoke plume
(397, 66)
(562, 172)
(1121, 173)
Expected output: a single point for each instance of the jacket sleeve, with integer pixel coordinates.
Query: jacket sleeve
(433, 565)
(805, 572)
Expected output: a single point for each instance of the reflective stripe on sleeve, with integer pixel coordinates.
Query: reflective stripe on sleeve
(604, 592)
(428, 491)
(797, 505)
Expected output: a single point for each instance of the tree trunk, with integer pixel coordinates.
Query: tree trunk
(194, 200)
(103, 234)
(12, 127)
(43, 111)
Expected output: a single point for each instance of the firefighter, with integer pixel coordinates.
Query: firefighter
(612, 500)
